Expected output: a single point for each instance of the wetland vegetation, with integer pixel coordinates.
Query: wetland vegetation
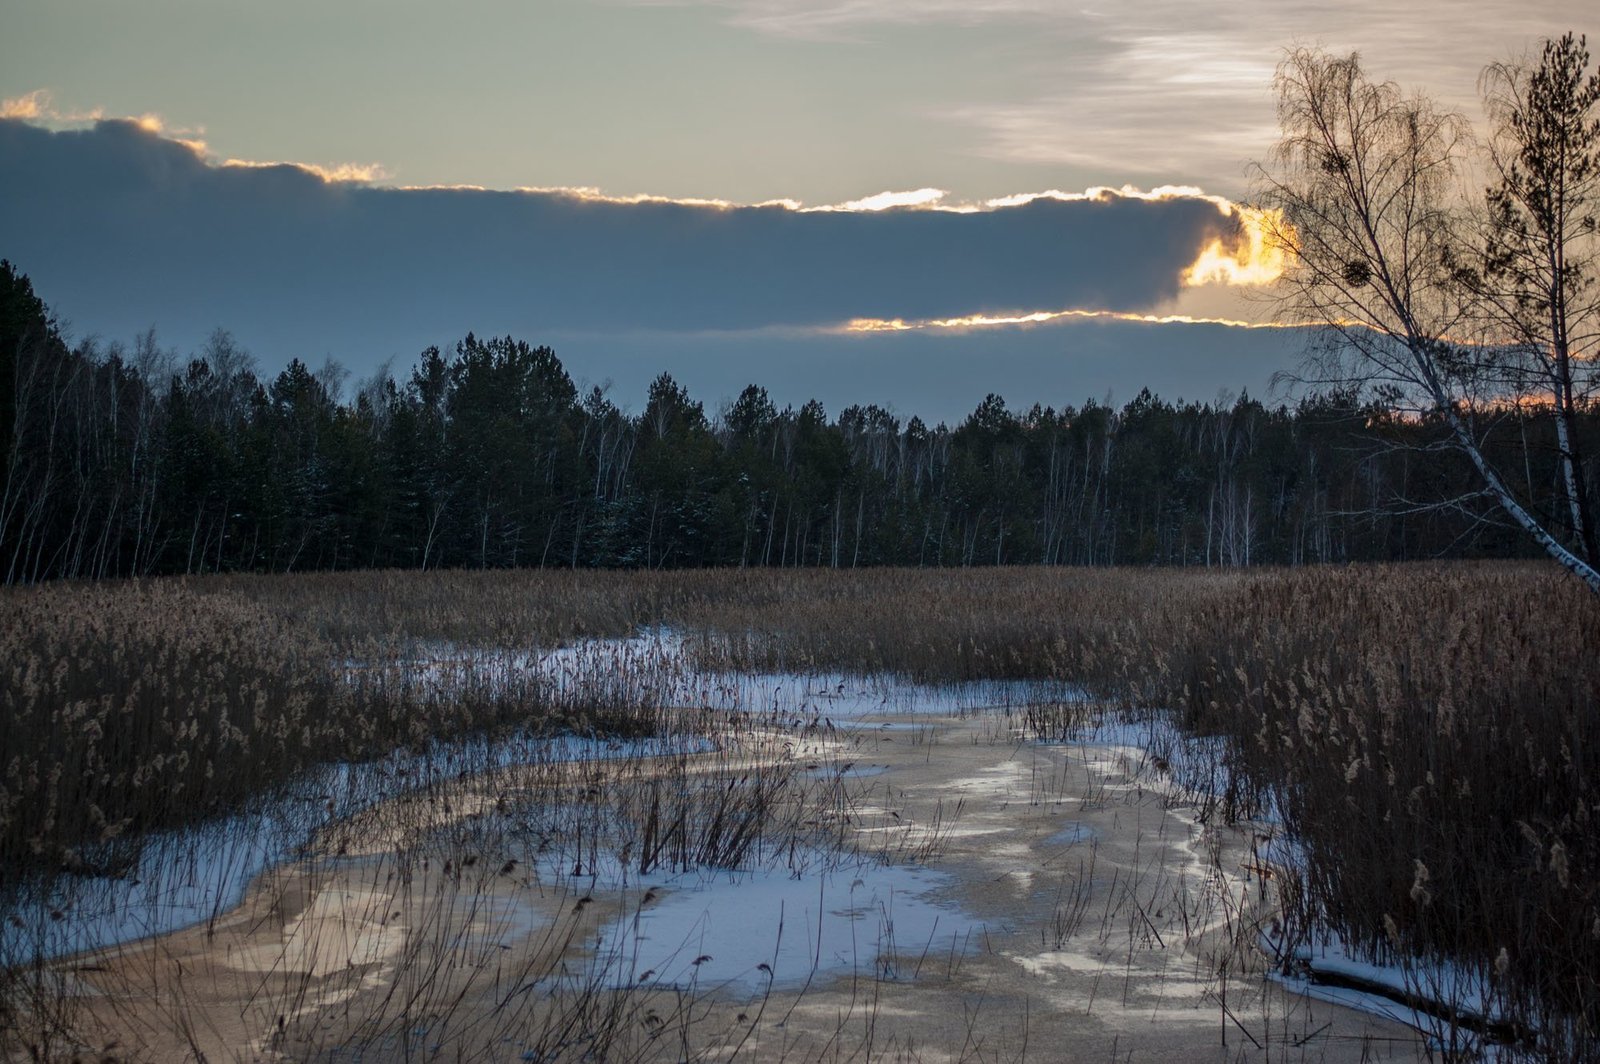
(491, 772)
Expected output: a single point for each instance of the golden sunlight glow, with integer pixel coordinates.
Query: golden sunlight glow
(921, 197)
(1106, 192)
(590, 194)
(980, 321)
(1251, 257)
(38, 108)
(341, 173)
(927, 199)
(28, 105)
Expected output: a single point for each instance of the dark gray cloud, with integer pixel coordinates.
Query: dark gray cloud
(129, 219)
(122, 229)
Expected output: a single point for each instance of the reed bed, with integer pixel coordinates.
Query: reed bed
(1427, 735)
(129, 707)
(1431, 738)
(505, 609)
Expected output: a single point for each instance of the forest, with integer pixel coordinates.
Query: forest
(123, 460)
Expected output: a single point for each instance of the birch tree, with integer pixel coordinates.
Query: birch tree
(1541, 244)
(1365, 197)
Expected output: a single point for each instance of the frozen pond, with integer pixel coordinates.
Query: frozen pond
(779, 924)
(170, 880)
(1071, 885)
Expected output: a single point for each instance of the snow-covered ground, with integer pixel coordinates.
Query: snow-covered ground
(174, 879)
(1456, 1008)
(658, 667)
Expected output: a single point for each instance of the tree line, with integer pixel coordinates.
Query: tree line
(120, 461)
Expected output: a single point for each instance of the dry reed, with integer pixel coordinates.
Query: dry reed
(1428, 734)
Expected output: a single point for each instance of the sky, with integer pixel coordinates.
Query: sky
(639, 183)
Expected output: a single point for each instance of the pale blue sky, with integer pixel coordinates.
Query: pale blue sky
(817, 100)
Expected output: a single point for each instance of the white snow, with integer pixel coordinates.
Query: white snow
(177, 879)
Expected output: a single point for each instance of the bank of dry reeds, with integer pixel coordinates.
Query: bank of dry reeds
(125, 708)
(934, 626)
(1431, 736)
(1428, 734)
(132, 706)
(501, 609)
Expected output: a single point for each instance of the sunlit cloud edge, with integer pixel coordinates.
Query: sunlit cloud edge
(38, 108)
(1024, 319)
(1246, 261)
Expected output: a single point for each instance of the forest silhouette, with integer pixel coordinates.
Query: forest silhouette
(118, 461)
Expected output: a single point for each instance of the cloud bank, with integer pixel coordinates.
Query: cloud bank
(124, 227)
(129, 215)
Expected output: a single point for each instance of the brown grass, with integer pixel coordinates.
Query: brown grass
(131, 706)
(1428, 734)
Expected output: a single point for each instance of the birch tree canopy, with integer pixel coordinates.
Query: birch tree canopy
(1447, 303)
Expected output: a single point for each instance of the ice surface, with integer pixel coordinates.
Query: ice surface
(177, 879)
(1415, 991)
(1072, 833)
(1199, 765)
(719, 928)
